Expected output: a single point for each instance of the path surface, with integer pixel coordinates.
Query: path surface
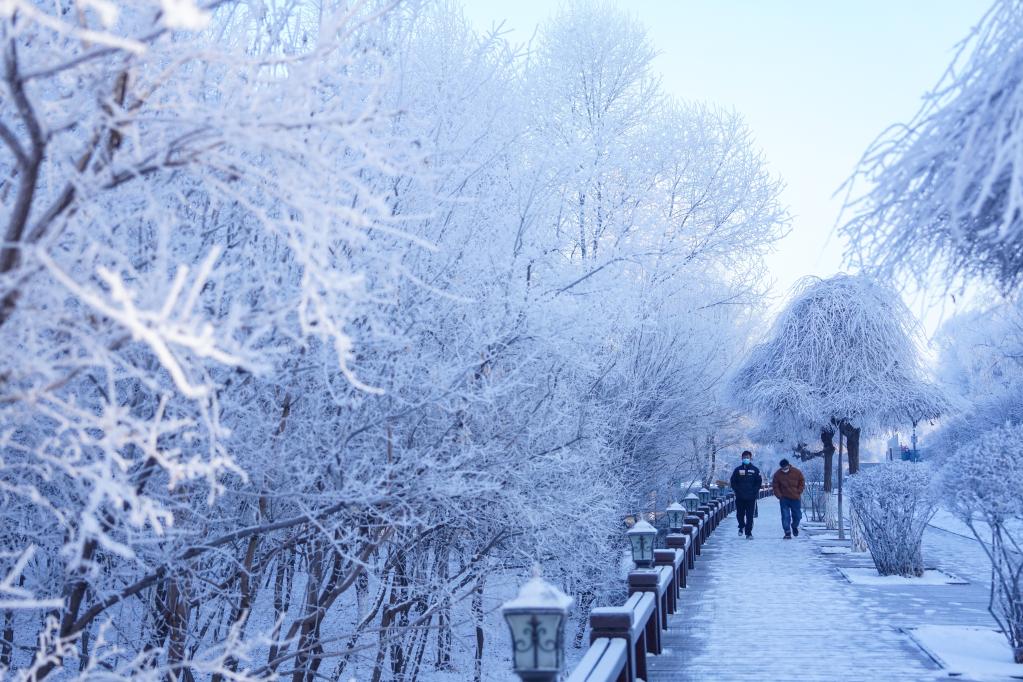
(773, 609)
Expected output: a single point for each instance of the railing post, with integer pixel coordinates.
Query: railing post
(649, 580)
(614, 622)
(692, 529)
(704, 514)
(680, 544)
(674, 560)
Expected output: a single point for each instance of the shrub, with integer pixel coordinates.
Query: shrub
(984, 490)
(894, 502)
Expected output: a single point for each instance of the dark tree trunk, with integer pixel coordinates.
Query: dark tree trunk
(586, 599)
(852, 446)
(477, 618)
(828, 451)
(7, 644)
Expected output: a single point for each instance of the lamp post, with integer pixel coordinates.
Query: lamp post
(536, 618)
(676, 514)
(691, 501)
(641, 540)
(704, 496)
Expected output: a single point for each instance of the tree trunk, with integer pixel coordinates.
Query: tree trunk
(7, 644)
(444, 632)
(852, 446)
(841, 521)
(477, 617)
(586, 599)
(828, 452)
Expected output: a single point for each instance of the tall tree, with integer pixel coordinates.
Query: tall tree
(842, 356)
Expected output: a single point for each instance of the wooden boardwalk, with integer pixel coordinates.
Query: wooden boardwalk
(773, 609)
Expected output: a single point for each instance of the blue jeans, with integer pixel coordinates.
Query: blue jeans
(791, 513)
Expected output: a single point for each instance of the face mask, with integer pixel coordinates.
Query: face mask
(745, 461)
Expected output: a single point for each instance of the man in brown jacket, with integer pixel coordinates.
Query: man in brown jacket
(788, 484)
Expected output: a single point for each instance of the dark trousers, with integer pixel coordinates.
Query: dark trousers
(744, 510)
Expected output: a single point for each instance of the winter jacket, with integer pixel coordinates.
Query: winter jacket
(788, 486)
(746, 481)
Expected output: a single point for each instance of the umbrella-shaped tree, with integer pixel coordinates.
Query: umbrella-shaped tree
(842, 356)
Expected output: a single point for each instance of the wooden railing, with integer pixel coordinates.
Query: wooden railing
(622, 637)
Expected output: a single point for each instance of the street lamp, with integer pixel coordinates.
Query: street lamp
(641, 540)
(537, 618)
(691, 501)
(676, 517)
(704, 496)
(716, 491)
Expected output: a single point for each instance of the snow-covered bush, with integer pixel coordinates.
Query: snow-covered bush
(894, 502)
(814, 496)
(982, 484)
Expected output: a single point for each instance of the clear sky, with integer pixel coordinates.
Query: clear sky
(817, 80)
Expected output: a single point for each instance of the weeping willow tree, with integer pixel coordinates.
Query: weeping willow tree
(843, 357)
(945, 191)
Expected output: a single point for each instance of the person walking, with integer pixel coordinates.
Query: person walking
(746, 481)
(788, 484)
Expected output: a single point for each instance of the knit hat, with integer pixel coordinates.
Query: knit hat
(784, 463)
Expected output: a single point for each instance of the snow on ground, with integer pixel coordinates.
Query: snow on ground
(775, 609)
(977, 653)
(869, 576)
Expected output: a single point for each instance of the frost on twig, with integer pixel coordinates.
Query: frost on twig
(945, 192)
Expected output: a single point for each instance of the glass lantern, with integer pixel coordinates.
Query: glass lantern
(536, 618)
(704, 496)
(691, 501)
(676, 514)
(641, 540)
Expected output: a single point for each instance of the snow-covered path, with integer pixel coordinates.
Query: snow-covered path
(774, 609)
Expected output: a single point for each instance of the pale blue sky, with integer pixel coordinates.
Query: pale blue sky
(817, 80)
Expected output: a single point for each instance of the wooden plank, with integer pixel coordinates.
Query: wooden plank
(591, 659)
(612, 663)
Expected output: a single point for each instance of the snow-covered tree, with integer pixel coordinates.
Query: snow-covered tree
(309, 345)
(988, 498)
(844, 354)
(981, 364)
(894, 503)
(945, 191)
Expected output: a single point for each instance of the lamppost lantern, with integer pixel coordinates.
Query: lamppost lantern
(715, 491)
(704, 496)
(641, 540)
(691, 501)
(537, 618)
(676, 514)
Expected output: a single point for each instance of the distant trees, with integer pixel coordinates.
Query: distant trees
(319, 320)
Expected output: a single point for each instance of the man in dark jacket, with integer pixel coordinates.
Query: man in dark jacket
(746, 481)
(788, 484)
